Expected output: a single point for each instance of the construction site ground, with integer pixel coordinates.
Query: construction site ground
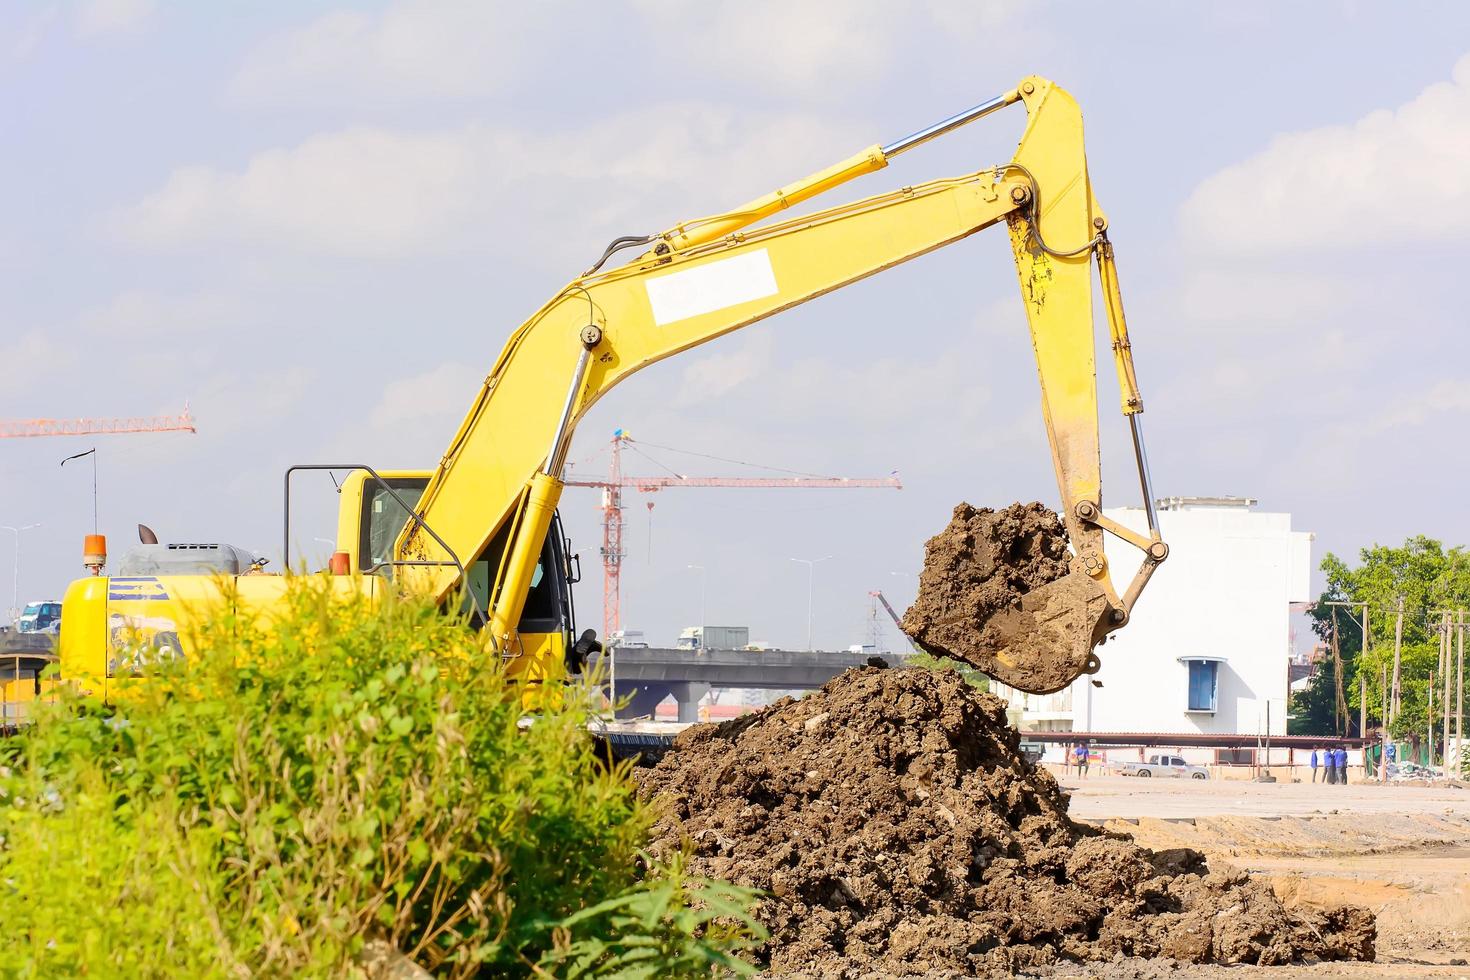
(1403, 851)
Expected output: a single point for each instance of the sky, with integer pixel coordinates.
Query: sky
(316, 224)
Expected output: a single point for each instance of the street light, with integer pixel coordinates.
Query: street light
(703, 581)
(811, 565)
(15, 580)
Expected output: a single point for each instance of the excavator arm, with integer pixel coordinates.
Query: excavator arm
(500, 478)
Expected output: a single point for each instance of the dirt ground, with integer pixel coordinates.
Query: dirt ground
(1403, 852)
(1124, 796)
(896, 830)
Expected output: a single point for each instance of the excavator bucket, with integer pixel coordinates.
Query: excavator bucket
(998, 592)
(1045, 643)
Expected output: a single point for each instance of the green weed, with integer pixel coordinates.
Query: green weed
(352, 772)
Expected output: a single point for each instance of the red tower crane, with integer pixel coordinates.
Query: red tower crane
(29, 428)
(612, 511)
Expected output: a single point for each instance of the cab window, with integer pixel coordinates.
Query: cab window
(548, 603)
(384, 517)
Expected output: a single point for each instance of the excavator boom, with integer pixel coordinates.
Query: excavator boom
(500, 478)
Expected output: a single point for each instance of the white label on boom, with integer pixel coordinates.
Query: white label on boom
(710, 287)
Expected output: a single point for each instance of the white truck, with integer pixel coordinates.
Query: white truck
(42, 616)
(1165, 766)
(714, 638)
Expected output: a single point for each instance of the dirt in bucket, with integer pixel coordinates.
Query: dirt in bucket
(999, 591)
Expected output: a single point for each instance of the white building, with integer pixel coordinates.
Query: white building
(1208, 644)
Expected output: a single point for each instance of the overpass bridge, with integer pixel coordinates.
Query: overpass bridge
(650, 675)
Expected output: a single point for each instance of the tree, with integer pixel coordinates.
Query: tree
(1315, 711)
(1428, 578)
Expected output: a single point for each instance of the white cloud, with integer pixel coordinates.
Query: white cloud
(358, 191)
(32, 358)
(715, 374)
(1449, 397)
(885, 392)
(775, 43)
(1244, 299)
(412, 420)
(435, 49)
(1222, 380)
(1394, 176)
(419, 49)
(142, 313)
(376, 192)
(440, 396)
(813, 48)
(230, 402)
(29, 35)
(109, 16)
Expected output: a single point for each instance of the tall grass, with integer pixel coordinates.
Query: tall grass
(354, 772)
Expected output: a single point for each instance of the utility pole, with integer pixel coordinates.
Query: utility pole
(1445, 671)
(1362, 701)
(1383, 729)
(15, 580)
(1460, 693)
(1363, 678)
(1429, 743)
(1434, 673)
(1396, 701)
(1362, 625)
(1448, 630)
(811, 565)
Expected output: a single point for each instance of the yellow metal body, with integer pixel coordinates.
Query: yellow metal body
(703, 279)
(492, 497)
(114, 626)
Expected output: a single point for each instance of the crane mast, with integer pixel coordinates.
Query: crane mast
(612, 489)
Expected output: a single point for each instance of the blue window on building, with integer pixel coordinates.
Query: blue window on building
(1203, 681)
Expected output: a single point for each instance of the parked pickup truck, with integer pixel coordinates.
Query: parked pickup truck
(1162, 765)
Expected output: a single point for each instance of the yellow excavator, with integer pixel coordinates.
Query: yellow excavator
(480, 531)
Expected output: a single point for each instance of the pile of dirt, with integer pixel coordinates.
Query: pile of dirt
(897, 829)
(997, 591)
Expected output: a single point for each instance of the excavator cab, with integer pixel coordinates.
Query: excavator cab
(374, 511)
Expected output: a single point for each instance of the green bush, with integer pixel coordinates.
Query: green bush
(353, 773)
(970, 675)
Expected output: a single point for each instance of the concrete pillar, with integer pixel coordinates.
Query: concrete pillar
(646, 696)
(688, 694)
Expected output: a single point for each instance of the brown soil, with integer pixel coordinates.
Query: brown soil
(898, 830)
(996, 592)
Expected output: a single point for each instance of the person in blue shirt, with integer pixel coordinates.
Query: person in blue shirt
(1314, 765)
(1340, 756)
